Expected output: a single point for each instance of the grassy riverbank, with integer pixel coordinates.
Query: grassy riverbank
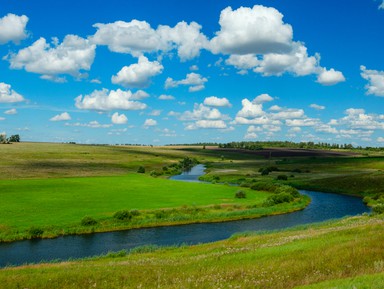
(58, 206)
(48, 201)
(346, 253)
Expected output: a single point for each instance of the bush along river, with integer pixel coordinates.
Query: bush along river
(323, 206)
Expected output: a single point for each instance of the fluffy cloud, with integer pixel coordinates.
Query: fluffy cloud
(326, 128)
(138, 37)
(257, 39)
(288, 113)
(250, 110)
(194, 80)
(215, 101)
(375, 79)
(255, 121)
(203, 117)
(166, 97)
(104, 100)
(138, 74)
(302, 122)
(61, 117)
(317, 106)
(11, 111)
(133, 37)
(296, 61)
(381, 5)
(119, 118)
(72, 56)
(8, 95)
(207, 124)
(186, 38)
(13, 28)
(256, 30)
(201, 112)
(262, 98)
(358, 119)
(243, 62)
(330, 77)
(250, 135)
(150, 122)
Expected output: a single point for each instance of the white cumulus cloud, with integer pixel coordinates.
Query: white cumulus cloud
(216, 101)
(207, 124)
(166, 97)
(330, 77)
(149, 122)
(317, 106)
(262, 98)
(256, 30)
(138, 37)
(8, 95)
(257, 39)
(61, 117)
(250, 110)
(138, 74)
(375, 79)
(13, 28)
(201, 112)
(119, 118)
(72, 56)
(105, 100)
(194, 80)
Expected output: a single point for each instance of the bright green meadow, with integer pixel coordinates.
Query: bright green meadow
(48, 190)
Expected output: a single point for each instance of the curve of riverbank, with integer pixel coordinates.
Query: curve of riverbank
(324, 206)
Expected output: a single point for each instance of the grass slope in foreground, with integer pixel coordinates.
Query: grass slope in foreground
(52, 207)
(334, 251)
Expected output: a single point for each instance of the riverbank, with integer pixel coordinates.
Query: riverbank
(349, 248)
(48, 208)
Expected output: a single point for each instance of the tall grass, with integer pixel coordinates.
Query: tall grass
(334, 251)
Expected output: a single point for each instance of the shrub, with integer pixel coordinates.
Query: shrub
(378, 209)
(141, 170)
(155, 174)
(278, 199)
(282, 178)
(88, 221)
(123, 215)
(264, 186)
(35, 232)
(288, 190)
(240, 195)
(265, 172)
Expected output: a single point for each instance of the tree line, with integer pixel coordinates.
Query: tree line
(12, 138)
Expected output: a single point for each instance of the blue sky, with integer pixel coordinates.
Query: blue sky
(163, 72)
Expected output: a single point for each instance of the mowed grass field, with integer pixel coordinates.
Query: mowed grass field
(344, 254)
(50, 188)
(64, 201)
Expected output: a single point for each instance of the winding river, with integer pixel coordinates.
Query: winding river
(324, 206)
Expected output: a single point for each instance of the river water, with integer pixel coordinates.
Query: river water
(324, 206)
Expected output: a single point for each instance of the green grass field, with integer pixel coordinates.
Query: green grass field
(53, 186)
(346, 254)
(62, 202)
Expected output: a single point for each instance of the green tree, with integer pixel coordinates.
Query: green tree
(14, 138)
